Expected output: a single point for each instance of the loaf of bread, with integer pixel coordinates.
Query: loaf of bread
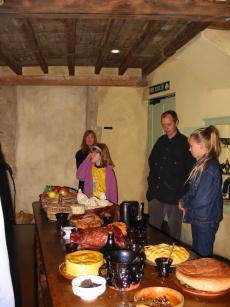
(205, 274)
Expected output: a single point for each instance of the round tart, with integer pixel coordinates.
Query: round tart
(205, 274)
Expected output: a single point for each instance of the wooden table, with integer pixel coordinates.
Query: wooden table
(60, 290)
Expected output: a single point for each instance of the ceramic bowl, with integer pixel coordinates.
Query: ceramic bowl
(175, 297)
(88, 294)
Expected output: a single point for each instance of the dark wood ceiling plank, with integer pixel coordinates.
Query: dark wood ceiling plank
(185, 35)
(10, 62)
(153, 64)
(30, 36)
(71, 44)
(150, 30)
(74, 81)
(104, 41)
(198, 10)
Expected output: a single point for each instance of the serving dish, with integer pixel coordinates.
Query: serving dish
(62, 271)
(190, 290)
(175, 297)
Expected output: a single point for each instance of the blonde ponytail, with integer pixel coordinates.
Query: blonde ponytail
(210, 137)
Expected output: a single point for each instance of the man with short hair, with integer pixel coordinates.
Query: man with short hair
(170, 163)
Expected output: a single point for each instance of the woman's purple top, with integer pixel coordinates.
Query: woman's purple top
(84, 173)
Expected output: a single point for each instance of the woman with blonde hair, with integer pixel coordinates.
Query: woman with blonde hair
(97, 173)
(202, 203)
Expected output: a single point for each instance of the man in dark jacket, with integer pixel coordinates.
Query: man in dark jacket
(170, 163)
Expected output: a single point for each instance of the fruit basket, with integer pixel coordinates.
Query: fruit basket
(57, 199)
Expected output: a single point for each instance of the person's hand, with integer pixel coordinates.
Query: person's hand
(89, 157)
(181, 206)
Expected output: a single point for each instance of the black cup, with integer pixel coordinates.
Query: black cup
(163, 265)
(70, 247)
(62, 219)
(125, 268)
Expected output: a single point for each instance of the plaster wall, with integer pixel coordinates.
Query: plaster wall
(125, 111)
(51, 124)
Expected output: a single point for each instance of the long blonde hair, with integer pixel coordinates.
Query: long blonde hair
(210, 137)
(105, 154)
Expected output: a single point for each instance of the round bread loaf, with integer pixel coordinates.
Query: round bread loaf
(205, 274)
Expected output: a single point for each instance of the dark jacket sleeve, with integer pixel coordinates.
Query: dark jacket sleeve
(189, 160)
(153, 158)
(80, 157)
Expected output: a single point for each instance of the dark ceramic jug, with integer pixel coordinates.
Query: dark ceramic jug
(129, 213)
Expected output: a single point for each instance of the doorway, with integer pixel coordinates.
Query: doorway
(156, 107)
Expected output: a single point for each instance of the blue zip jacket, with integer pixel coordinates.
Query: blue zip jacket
(203, 200)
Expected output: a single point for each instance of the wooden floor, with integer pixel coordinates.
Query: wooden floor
(24, 235)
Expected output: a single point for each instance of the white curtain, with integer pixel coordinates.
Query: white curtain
(6, 288)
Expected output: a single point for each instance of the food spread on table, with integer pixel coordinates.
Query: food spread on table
(179, 254)
(91, 233)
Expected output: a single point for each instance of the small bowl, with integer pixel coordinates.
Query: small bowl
(89, 294)
(175, 297)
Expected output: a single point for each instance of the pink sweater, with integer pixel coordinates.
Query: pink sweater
(84, 173)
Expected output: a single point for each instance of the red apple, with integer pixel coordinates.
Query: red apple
(56, 189)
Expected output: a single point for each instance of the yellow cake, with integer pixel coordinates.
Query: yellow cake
(84, 262)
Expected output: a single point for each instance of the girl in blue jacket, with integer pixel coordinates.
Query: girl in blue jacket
(202, 203)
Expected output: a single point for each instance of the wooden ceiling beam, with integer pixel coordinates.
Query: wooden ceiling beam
(74, 81)
(199, 10)
(31, 39)
(71, 45)
(188, 32)
(149, 32)
(220, 25)
(10, 62)
(153, 64)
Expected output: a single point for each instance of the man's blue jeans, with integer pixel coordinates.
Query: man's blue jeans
(203, 236)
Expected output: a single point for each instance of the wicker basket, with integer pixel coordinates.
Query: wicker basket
(55, 205)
